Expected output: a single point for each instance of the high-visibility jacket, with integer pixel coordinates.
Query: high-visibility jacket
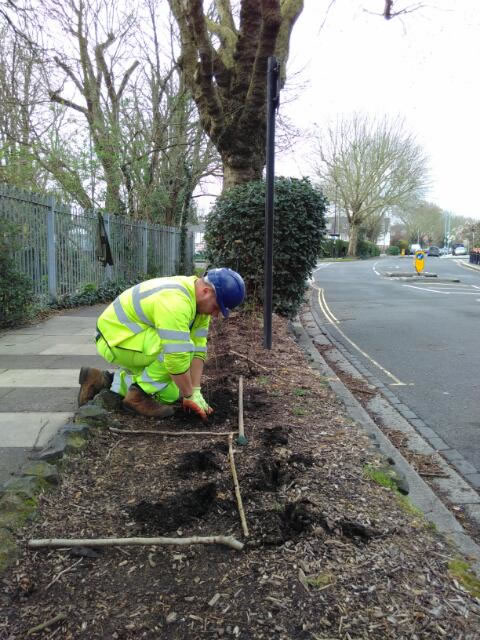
(158, 316)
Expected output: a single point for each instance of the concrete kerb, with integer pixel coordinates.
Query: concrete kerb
(18, 496)
(420, 493)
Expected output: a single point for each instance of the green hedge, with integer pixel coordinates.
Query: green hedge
(235, 237)
(366, 249)
(16, 289)
(334, 249)
(393, 250)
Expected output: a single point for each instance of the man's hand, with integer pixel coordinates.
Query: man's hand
(197, 403)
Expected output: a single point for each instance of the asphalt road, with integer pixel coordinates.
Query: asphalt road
(420, 338)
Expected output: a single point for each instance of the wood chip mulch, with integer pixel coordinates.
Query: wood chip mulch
(330, 555)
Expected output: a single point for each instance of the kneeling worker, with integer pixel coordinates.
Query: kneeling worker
(157, 332)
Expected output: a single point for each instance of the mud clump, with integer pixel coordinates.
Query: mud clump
(224, 404)
(197, 462)
(300, 459)
(298, 517)
(174, 512)
(274, 436)
(270, 474)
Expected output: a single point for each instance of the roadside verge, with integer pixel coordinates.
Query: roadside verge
(420, 492)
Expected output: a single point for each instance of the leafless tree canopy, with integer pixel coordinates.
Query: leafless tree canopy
(367, 166)
(109, 117)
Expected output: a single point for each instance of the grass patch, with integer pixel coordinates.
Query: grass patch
(263, 380)
(409, 507)
(321, 580)
(461, 571)
(301, 392)
(380, 477)
(299, 411)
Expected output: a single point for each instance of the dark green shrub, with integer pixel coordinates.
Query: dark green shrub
(235, 230)
(16, 289)
(367, 249)
(393, 250)
(91, 294)
(334, 249)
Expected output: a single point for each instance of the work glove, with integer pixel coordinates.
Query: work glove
(197, 403)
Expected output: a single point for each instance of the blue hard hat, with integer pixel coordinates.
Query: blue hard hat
(229, 288)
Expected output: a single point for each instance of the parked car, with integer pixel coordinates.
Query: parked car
(415, 247)
(459, 250)
(434, 251)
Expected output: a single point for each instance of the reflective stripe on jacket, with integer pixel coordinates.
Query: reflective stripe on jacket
(158, 316)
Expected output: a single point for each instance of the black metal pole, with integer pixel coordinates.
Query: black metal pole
(272, 104)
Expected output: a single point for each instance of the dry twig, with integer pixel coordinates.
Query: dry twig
(240, 355)
(59, 575)
(237, 486)
(173, 433)
(48, 623)
(228, 541)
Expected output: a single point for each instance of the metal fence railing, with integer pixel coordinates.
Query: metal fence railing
(58, 245)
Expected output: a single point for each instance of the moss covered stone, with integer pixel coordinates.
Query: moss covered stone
(8, 549)
(74, 442)
(41, 469)
(91, 414)
(15, 510)
(26, 486)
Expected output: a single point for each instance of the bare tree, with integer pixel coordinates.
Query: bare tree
(224, 60)
(366, 166)
(424, 221)
(112, 121)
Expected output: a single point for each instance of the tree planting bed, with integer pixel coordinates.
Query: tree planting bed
(330, 554)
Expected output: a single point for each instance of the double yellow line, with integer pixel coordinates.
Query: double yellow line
(331, 318)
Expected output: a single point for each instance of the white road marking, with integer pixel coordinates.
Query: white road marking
(445, 293)
(330, 316)
(322, 266)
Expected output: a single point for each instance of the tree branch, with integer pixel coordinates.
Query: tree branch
(54, 97)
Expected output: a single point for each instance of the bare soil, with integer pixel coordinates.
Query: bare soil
(330, 555)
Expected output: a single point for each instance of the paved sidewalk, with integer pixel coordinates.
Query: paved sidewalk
(39, 368)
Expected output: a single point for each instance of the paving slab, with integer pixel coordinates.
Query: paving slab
(11, 459)
(63, 329)
(63, 349)
(30, 428)
(39, 399)
(69, 361)
(35, 344)
(37, 378)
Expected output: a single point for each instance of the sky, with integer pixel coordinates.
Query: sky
(422, 66)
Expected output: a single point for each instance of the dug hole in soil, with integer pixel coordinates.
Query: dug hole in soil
(330, 553)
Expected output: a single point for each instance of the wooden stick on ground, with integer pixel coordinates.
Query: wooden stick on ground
(48, 623)
(240, 355)
(241, 431)
(237, 486)
(213, 434)
(59, 575)
(228, 541)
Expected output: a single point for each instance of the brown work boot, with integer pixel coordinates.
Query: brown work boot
(91, 382)
(140, 402)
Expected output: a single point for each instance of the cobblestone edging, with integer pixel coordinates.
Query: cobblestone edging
(19, 495)
(419, 491)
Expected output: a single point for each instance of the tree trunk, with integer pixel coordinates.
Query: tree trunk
(241, 170)
(227, 74)
(352, 245)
